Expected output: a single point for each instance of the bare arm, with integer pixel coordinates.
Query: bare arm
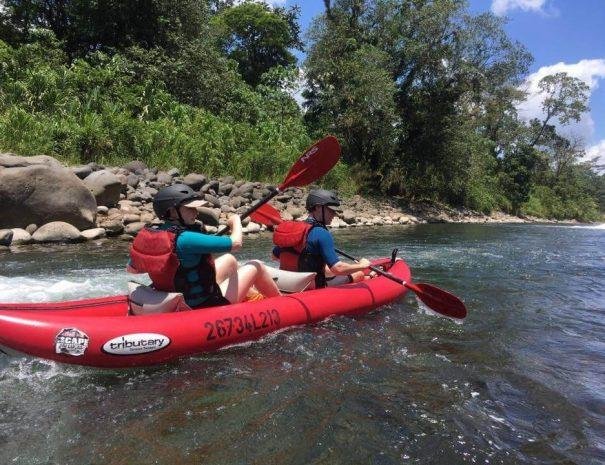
(235, 225)
(342, 268)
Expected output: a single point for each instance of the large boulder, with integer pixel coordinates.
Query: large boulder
(58, 231)
(105, 186)
(40, 190)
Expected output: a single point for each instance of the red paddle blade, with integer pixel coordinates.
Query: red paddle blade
(314, 163)
(267, 215)
(439, 300)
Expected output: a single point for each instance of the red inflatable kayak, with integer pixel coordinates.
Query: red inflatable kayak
(101, 332)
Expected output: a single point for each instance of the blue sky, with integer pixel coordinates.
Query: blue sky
(562, 35)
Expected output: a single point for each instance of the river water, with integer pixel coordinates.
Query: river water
(522, 381)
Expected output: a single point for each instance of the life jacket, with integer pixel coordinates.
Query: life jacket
(154, 252)
(291, 238)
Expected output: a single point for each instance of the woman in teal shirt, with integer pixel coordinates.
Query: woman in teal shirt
(177, 255)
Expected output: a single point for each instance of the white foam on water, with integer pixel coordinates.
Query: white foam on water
(599, 226)
(592, 226)
(32, 289)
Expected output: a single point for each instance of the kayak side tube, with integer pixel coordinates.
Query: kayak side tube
(101, 333)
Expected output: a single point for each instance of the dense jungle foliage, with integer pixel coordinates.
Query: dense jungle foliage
(421, 94)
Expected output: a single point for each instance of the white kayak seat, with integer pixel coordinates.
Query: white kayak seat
(291, 281)
(144, 300)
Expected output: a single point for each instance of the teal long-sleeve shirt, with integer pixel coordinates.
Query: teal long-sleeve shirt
(190, 246)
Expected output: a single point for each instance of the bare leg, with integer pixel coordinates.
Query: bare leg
(225, 266)
(252, 273)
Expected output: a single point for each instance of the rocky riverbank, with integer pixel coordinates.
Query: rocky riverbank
(45, 201)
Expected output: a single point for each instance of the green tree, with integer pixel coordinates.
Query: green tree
(565, 99)
(258, 37)
(105, 25)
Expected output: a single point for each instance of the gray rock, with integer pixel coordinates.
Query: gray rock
(42, 193)
(136, 167)
(95, 233)
(164, 179)
(131, 218)
(81, 171)
(10, 160)
(31, 228)
(226, 189)
(126, 237)
(237, 201)
(57, 231)
(252, 228)
(133, 180)
(208, 216)
(258, 194)
(95, 166)
(133, 228)
(213, 200)
(113, 227)
(105, 186)
(6, 237)
(21, 236)
(297, 212)
(348, 216)
(112, 222)
(147, 217)
(102, 210)
(227, 180)
(173, 172)
(212, 185)
(245, 189)
(195, 181)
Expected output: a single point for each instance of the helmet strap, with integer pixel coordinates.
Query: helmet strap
(178, 213)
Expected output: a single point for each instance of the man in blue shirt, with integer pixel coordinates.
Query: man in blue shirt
(316, 251)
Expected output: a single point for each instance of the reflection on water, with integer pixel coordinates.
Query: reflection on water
(520, 382)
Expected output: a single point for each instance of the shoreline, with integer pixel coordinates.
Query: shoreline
(118, 202)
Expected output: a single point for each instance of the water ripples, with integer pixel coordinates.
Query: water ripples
(520, 382)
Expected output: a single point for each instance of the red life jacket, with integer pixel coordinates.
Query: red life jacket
(154, 252)
(291, 238)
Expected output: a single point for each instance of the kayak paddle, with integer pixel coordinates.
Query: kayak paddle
(435, 298)
(316, 161)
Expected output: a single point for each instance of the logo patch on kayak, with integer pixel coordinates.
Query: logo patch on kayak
(71, 341)
(135, 344)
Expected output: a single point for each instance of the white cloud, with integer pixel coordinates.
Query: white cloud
(596, 151)
(501, 7)
(589, 71)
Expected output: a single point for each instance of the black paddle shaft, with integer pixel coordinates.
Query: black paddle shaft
(253, 208)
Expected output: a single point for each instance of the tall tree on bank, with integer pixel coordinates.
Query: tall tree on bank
(350, 90)
(258, 37)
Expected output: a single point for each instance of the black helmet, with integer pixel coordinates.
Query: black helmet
(172, 196)
(322, 197)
